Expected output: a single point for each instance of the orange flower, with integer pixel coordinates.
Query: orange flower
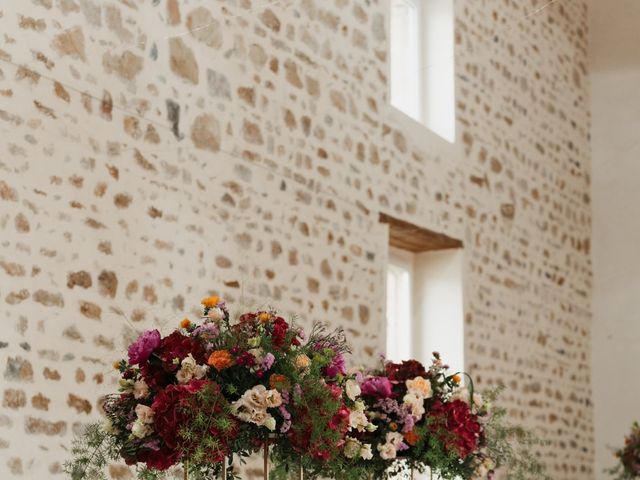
(393, 426)
(211, 301)
(220, 359)
(264, 317)
(456, 378)
(411, 438)
(279, 382)
(185, 323)
(116, 365)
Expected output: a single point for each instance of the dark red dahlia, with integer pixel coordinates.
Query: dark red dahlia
(279, 333)
(456, 426)
(180, 346)
(408, 369)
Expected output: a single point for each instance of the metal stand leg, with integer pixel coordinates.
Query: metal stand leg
(224, 469)
(266, 459)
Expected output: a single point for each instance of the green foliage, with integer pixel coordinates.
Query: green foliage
(511, 445)
(92, 452)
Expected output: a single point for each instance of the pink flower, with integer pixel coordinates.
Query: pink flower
(267, 363)
(336, 366)
(141, 349)
(377, 387)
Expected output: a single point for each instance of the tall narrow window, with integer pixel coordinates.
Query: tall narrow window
(399, 285)
(406, 88)
(424, 295)
(422, 62)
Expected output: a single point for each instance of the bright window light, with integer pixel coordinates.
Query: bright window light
(422, 64)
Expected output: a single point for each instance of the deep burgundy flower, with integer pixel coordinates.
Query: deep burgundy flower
(170, 408)
(379, 387)
(279, 333)
(179, 346)
(408, 369)
(175, 408)
(246, 359)
(456, 426)
(140, 350)
(160, 459)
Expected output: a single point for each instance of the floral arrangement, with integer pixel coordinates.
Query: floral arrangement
(220, 388)
(406, 417)
(628, 467)
(217, 388)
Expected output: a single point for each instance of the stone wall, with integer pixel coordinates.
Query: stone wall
(157, 150)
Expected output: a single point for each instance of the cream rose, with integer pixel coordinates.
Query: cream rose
(140, 389)
(365, 452)
(144, 413)
(414, 404)
(139, 429)
(387, 451)
(353, 389)
(420, 387)
(351, 448)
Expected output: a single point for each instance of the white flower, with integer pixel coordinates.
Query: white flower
(464, 395)
(254, 342)
(144, 413)
(140, 429)
(273, 399)
(109, 427)
(353, 389)
(371, 428)
(189, 369)
(358, 420)
(215, 313)
(252, 406)
(415, 405)
(420, 387)
(395, 439)
(352, 448)
(359, 406)
(365, 452)
(140, 389)
(270, 423)
(387, 451)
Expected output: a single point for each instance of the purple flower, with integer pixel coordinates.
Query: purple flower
(336, 366)
(377, 387)
(152, 445)
(409, 422)
(208, 330)
(267, 362)
(402, 446)
(141, 349)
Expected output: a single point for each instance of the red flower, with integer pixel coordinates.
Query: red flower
(401, 372)
(279, 334)
(180, 346)
(161, 459)
(171, 409)
(455, 426)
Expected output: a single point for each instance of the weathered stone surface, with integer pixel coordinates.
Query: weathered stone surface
(127, 65)
(218, 84)
(182, 60)
(205, 133)
(14, 399)
(18, 369)
(80, 279)
(204, 27)
(70, 42)
(108, 282)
